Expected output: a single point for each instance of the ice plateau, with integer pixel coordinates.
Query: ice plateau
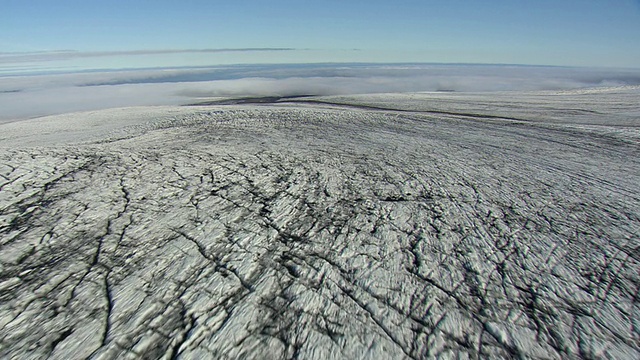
(408, 226)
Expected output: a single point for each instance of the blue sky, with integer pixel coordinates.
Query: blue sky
(544, 32)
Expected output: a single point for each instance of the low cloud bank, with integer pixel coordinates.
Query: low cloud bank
(37, 95)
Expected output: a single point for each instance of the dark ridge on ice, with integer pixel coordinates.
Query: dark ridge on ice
(249, 100)
(293, 99)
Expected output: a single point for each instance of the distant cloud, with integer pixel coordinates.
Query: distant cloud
(36, 95)
(17, 57)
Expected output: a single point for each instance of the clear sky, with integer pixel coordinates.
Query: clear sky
(543, 32)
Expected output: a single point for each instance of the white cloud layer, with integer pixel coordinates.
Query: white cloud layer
(38, 95)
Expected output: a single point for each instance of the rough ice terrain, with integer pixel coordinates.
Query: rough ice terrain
(362, 227)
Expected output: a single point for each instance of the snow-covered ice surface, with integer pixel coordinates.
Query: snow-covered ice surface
(380, 226)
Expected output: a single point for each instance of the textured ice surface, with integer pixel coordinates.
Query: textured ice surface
(486, 225)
